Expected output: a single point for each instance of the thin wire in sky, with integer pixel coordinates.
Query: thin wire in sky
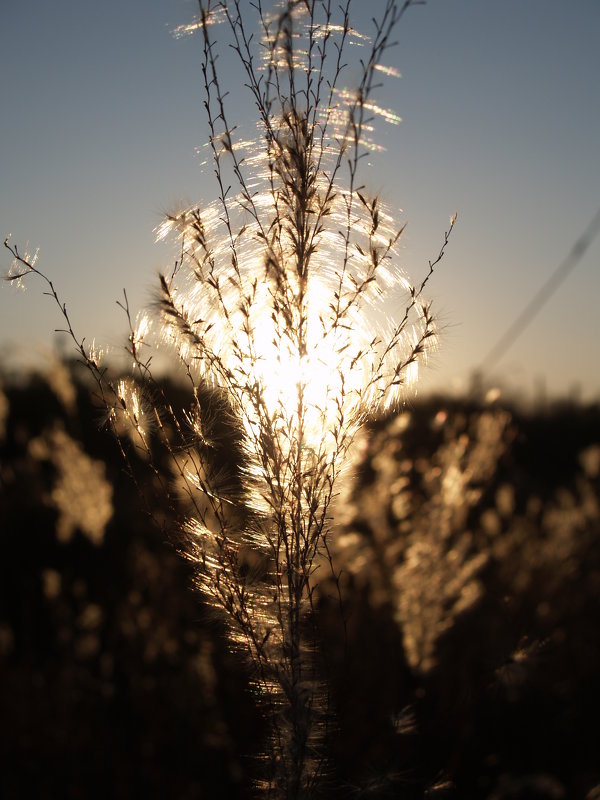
(542, 296)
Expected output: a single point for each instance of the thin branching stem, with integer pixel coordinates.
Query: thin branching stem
(276, 309)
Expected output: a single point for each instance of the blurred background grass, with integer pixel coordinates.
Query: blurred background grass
(463, 663)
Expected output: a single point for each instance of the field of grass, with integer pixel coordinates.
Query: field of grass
(461, 662)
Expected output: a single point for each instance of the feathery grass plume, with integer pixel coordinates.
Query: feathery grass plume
(279, 306)
(406, 535)
(279, 300)
(81, 494)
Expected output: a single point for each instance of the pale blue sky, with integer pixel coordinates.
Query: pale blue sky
(102, 115)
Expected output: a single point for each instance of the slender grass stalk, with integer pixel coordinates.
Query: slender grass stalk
(278, 307)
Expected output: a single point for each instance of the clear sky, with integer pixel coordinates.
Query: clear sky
(102, 128)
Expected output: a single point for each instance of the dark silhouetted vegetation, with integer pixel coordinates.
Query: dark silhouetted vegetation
(463, 662)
